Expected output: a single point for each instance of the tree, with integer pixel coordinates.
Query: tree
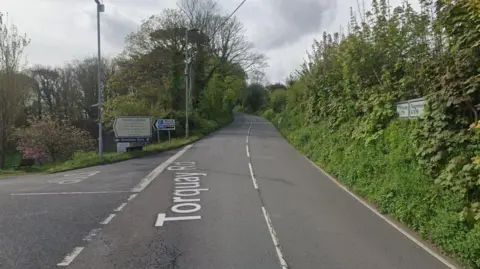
(13, 85)
(255, 96)
(49, 138)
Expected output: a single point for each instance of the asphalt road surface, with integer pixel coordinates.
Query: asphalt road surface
(240, 198)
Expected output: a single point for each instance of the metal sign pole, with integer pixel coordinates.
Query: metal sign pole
(169, 136)
(158, 136)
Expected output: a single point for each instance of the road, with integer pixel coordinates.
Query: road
(239, 198)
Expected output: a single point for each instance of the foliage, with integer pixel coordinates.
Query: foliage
(53, 139)
(254, 97)
(13, 85)
(278, 100)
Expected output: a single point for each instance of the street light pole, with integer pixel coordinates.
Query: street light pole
(186, 82)
(100, 8)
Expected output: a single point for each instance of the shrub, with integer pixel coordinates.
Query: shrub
(47, 138)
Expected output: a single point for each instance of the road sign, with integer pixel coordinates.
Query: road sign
(165, 124)
(132, 128)
(411, 108)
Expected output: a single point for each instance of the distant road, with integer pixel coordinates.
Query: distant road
(240, 198)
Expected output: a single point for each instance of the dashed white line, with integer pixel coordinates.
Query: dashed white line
(275, 240)
(131, 197)
(108, 219)
(118, 209)
(70, 257)
(255, 185)
(248, 151)
(65, 193)
(150, 177)
(394, 225)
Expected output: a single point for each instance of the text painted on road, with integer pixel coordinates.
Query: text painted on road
(73, 178)
(186, 201)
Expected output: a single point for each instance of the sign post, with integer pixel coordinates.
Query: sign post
(133, 129)
(165, 125)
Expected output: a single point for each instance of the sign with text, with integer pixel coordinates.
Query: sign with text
(165, 124)
(131, 129)
(411, 108)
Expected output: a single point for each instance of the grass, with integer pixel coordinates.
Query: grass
(87, 159)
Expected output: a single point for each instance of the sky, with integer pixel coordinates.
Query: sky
(64, 30)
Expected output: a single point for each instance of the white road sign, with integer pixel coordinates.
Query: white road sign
(411, 108)
(133, 127)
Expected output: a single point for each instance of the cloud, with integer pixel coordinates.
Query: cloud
(278, 23)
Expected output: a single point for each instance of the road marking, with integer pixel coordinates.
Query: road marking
(131, 197)
(66, 193)
(161, 218)
(92, 234)
(248, 151)
(73, 178)
(118, 209)
(187, 185)
(70, 257)
(150, 177)
(275, 240)
(108, 219)
(255, 185)
(394, 225)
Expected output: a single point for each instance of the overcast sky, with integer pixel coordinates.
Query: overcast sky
(63, 30)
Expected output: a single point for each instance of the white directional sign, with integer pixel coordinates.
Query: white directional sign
(132, 129)
(411, 108)
(165, 124)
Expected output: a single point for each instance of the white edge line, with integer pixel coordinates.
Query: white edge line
(159, 169)
(70, 257)
(275, 240)
(118, 209)
(131, 197)
(248, 151)
(108, 219)
(254, 180)
(65, 193)
(394, 225)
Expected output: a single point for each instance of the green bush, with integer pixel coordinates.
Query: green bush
(269, 114)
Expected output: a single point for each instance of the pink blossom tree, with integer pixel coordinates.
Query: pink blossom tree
(47, 138)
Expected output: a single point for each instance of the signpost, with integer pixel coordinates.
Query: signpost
(164, 125)
(133, 129)
(411, 108)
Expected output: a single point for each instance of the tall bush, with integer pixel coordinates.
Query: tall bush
(47, 138)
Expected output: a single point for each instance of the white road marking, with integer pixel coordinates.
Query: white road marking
(248, 151)
(131, 197)
(118, 209)
(275, 240)
(108, 219)
(150, 177)
(70, 257)
(92, 234)
(255, 185)
(65, 193)
(394, 225)
(161, 218)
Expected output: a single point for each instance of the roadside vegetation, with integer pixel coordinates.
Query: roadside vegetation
(339, 109)
(49, 113)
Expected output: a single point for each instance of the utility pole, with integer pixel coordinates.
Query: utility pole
(186, 82)
(100, 8)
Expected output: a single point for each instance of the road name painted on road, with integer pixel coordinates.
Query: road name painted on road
(73, 178)
(185, 195)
